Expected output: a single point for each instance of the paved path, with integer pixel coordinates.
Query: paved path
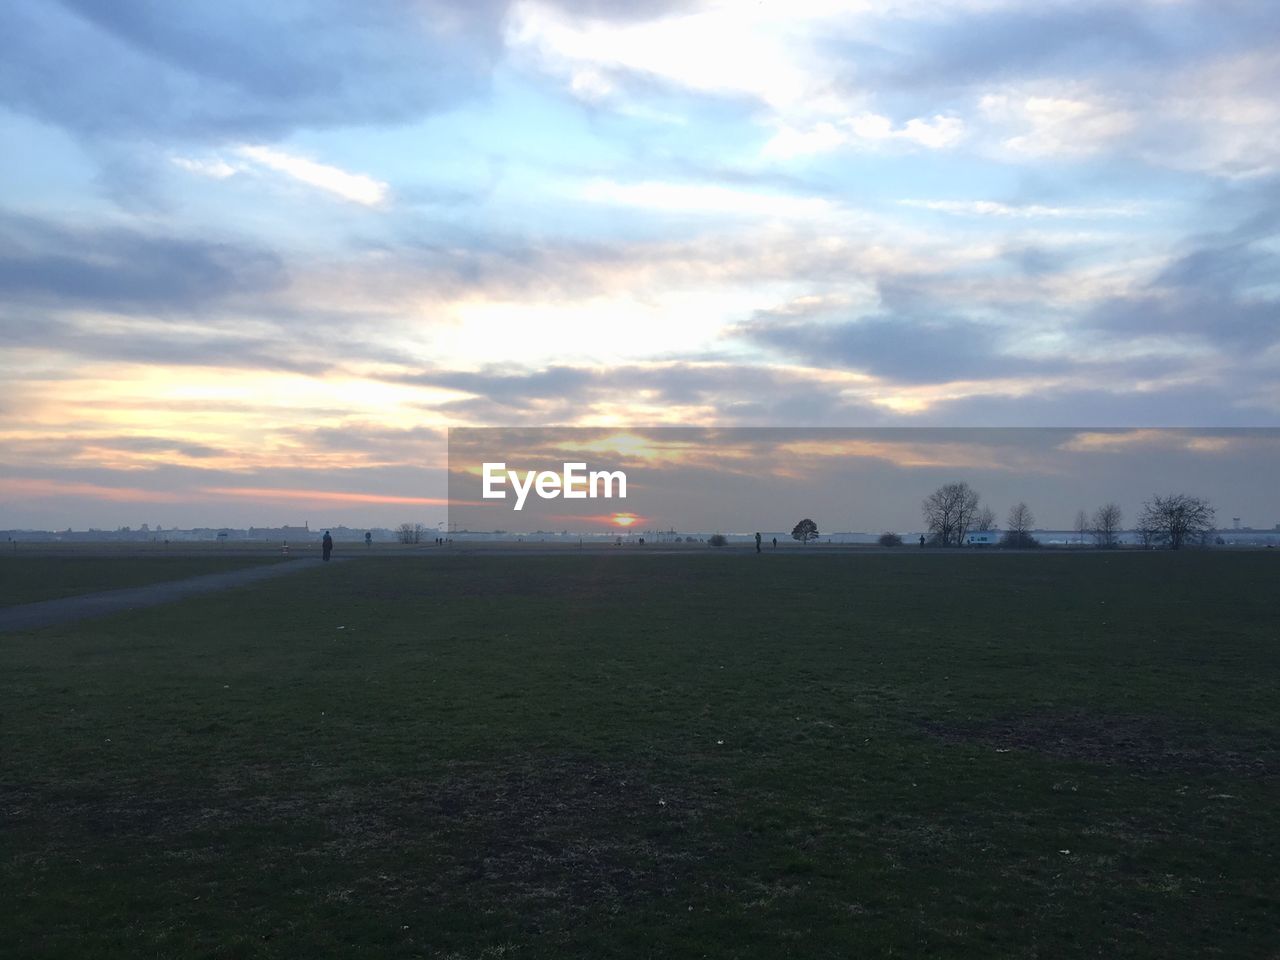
(47, 613)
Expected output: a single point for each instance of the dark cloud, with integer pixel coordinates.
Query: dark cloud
(242, 69)
(187, 448)
(736, 393)
(909, 347)
(115, 267)
(161, 346)
(949, 53)
(145, 68)
(1221, 289)
(1038, 39)
(1112, 403)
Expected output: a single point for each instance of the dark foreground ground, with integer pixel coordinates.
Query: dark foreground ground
(482, 757)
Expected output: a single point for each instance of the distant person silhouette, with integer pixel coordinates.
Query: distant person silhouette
(922, 539)
(757, 542)
(775, 543)
(326, 545)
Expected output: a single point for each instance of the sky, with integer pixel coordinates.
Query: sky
(257, 258)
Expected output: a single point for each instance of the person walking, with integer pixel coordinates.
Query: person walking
(326, 546)
(757, 541)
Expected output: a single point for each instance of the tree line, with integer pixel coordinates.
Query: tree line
(954, 511)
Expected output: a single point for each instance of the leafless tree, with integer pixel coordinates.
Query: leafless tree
(1177, 519)
(1106, 525)
(949, 512)
(985, 520)
(410, 532)
(1018, 528)
(1082, 525)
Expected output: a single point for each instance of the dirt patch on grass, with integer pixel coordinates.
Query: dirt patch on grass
(569, 832)
(1149, 743)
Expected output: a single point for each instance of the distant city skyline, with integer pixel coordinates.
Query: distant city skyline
(256, 259)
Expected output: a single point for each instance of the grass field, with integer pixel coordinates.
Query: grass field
(27, 579)
(627, 756)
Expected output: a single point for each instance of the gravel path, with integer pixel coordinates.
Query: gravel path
(47, 613)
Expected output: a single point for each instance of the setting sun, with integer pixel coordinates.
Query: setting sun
(624, 519)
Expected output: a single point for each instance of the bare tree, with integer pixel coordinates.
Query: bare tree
(1018, 528)
(1082, 525)
(1177, 519)
(410, 532)
(985, 520)
(1106, 525)
(949, 512)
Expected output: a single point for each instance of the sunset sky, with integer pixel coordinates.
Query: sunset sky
(256, 258)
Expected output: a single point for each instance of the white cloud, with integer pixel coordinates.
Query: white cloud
(717, 48)
(1060, 126)
(216, 168)
(355, 187)
(936, 133)
(993, 208)
(1227, 117)
(704, 198)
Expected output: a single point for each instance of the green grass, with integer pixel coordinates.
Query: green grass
(27, 579)
(922, 756)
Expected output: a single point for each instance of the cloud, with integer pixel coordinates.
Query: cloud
(1219, 290)
(241, 70)
(904, 345)
(865, 130)
(44, 488)
(658, 392)
(354, 187)
(1121, 441)
(705, 198)
(344, 498)
(105, 267)
(704, 48)
(1219, 117)
(996, 208)
(1058, 126)
(215, 169)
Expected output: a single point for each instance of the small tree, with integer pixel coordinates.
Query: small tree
(1018, 528)
(1081, 525)
(805, 531)
(890, 540)
(1177, 519)
(949, 512)
(1106, 525)
(718, 540)
(985, 520)
(409, 533)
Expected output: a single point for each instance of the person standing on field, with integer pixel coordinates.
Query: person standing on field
(326, 546)
(757, 541)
